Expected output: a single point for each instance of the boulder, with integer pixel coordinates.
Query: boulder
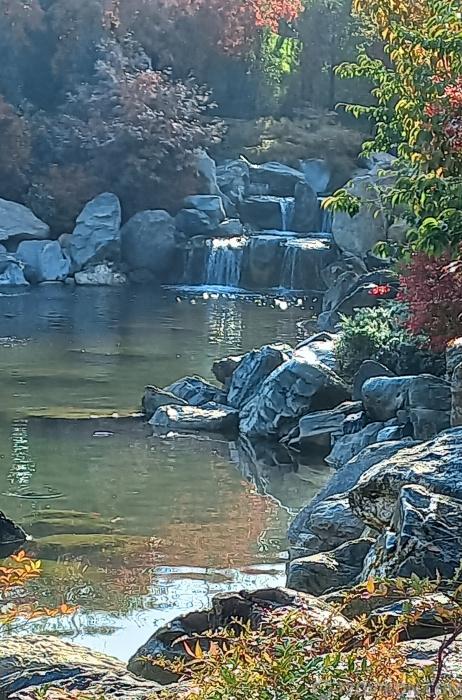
(212, 418)
(229, 610)
(12, 536)
(426, 623)
(343, 480)
(223, 369)
(299, 385)
(329, 571)
(307, 214)
(30, 664)
(348, 446)
(344, 263)
(96, 237)
(424, 538)
(329, 524)
(252, 370)
(456, 396)
(435, 464)
(230, 228)
(383, 397)
(339, 290)
(328, 321)
(319, 427)
(206, 168)
(453, 357)
(317, 174)
(360, 298)
(12, 274)
(304, 258)
(323, 346)
(201, 214)
(150, 241)
(264, 212)
(280, 179)
(368, 370)
(18, 223)
(100, 275)
(44, 261)
(196, 391)
(233, 179)
(154, 398)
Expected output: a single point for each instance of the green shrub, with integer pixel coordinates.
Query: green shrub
(379, 334)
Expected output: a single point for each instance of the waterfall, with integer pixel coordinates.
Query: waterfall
(224, 262)
(287, 205)
(327, 217)
(289, 265)
(302, 261)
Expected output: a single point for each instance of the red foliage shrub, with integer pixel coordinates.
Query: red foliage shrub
(432, 289)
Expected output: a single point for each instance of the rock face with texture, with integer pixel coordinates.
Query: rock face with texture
(233, 179)
(348, 446)
(368, 370)
(150, 243)
(319, 427)
(154, 398)
(44, 261)
(456, 396)
(12, 273)
(307, 214)
(11, 536)
(100, 276)
(30, 663)
(424, 538)
(227, 608)
(224, 368)
(279, 179)
(317, 173)
(201, 214)
(263, 212)
(18, 223)
(436, 465)
(252, 370)
(96, 237)
(297, 386)
(196, 391)
(331, 570)
(212, 418)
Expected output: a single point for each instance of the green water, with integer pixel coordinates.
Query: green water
(135, 529)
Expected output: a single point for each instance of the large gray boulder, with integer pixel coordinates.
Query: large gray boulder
(424, 538)
(252, 370)
(196, 391)
(266, 212)
(223, 369)
(11, 270)
(18, 223)
(347, 446)
(436, 465)
(233, 179)
(299, 385)
(200, 215)
(150, 242)
(211, 418)
(307, 214)
(368, 370)
(317, 173)
(44, 261)
(100, 276)
(280, 179)
(30, 664)
(154, 398)
(329, 571)
(96, 237)
(319, 427)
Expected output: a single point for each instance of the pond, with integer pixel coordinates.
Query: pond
(136, 529)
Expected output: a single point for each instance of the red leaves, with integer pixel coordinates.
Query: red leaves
(432, 288)
(380, 290)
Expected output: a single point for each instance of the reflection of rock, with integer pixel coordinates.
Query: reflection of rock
(89, 546)
(29, 664)
(228, 610)
(11, 536)
(45, 523)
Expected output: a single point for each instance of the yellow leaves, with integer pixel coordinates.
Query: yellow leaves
(370, 586)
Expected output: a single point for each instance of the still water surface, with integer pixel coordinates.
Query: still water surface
(135, 529)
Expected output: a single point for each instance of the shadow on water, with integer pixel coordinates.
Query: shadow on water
(136, 529)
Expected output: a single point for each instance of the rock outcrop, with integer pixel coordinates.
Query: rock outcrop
(44, 261)
(211, 418)
(252, 370)
(18, 223)
(150, 243)
(96, 237)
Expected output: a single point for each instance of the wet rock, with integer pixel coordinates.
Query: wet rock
(150, 241)
(201, 215)
(228, 610)
(230, 228)
(13, 275)
(12, 536)
(327, 571)
(263, 212)
(196, 391)
(44, 261)
(18, 223)
(436, 465)
(212, 418)
(279, 178)
(319, 427)
(262, 263)
(424, 538)
(348, 446)
(299, 385)
(96, 237)
(252, 370)
(317, 173)
(154, 397)
(343, 480)
(368, 370)
(307, 214)
(29, 664)
(233, 179)
(329, 524)
(100, 276)
(223, 369)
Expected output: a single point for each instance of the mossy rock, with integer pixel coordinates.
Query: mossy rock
(62, 522)
(90, 546)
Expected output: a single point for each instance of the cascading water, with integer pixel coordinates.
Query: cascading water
(302, 262)
(289, 266)
(287, 205)
(224, 261)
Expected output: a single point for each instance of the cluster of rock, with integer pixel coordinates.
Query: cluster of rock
(276, 209)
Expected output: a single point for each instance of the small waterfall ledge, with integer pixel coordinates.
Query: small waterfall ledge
(224, 262)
